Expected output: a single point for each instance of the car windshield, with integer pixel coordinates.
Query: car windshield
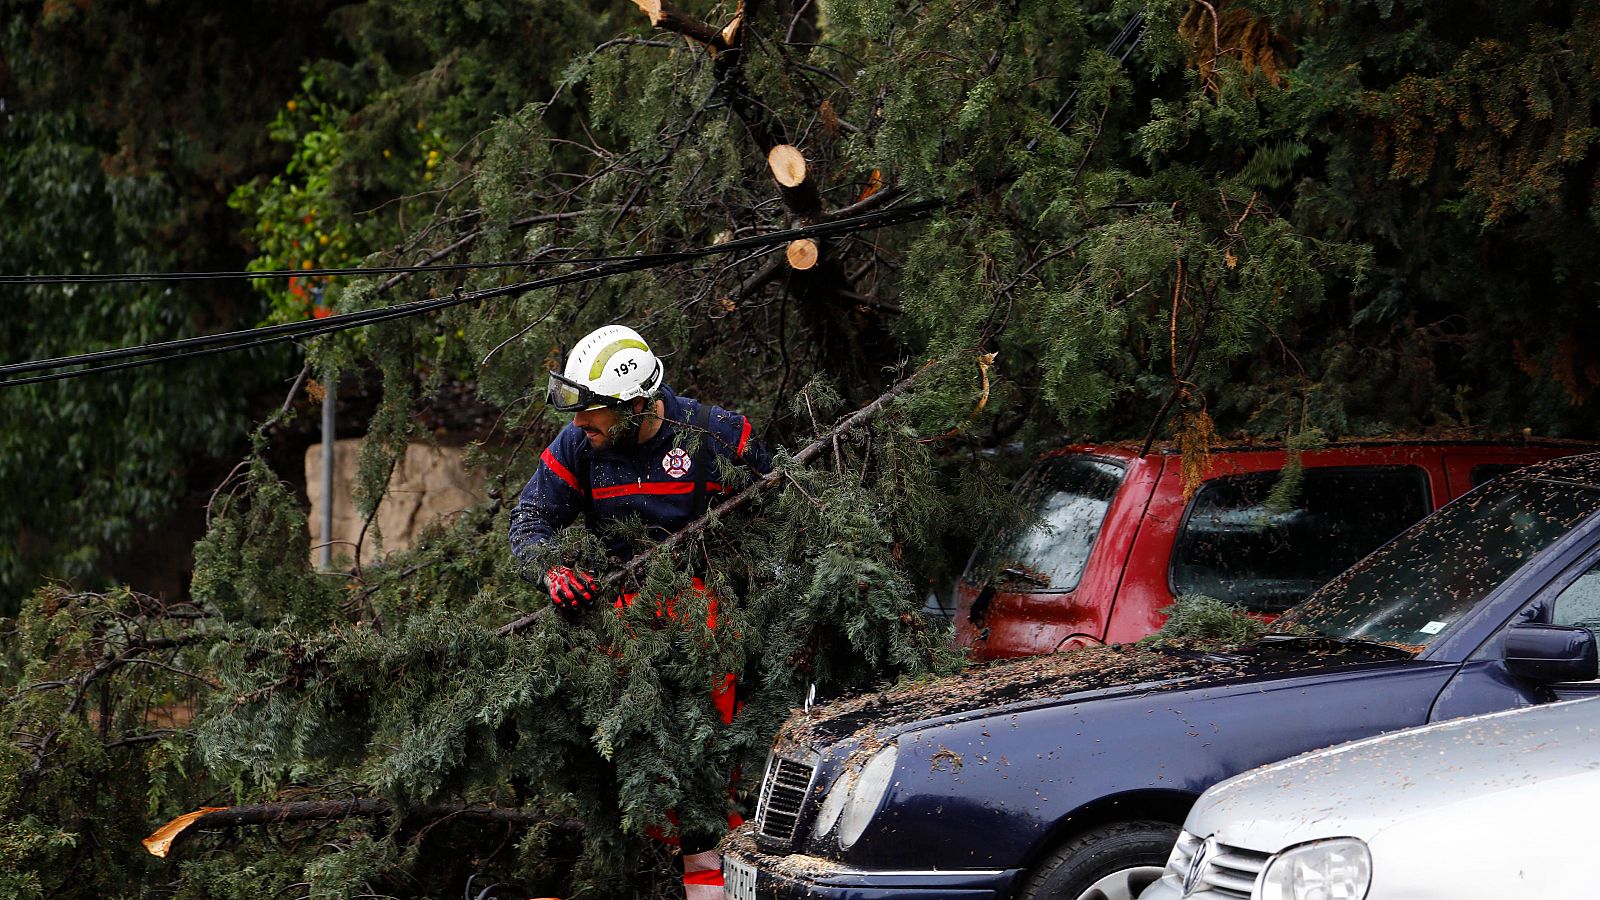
(1410, 591)
(1066, 501)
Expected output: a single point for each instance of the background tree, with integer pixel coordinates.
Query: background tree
(123, 133)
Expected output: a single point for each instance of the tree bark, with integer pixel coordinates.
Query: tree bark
(669, 18)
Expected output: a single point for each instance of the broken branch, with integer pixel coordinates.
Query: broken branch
(160, 843)
(669, 18)
(985, 360)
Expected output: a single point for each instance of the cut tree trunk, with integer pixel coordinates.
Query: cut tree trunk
(803, 254)
(795, 182)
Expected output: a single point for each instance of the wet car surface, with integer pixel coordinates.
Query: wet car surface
(1487, 806)
(1069, 774)
(1112, 536)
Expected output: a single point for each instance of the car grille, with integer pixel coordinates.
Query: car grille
(783, 791)
(1225, 872)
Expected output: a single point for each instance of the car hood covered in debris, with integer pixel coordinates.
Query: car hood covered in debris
(1014, 686)
(991, 761)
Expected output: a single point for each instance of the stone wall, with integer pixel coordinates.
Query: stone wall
(429, 483)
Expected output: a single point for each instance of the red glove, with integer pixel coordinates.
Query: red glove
(570, 589)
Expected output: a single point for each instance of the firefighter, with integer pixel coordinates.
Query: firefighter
(634, 448)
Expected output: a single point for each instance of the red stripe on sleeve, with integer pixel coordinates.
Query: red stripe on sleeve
(554, 465)
(744, 438)
(657, 488)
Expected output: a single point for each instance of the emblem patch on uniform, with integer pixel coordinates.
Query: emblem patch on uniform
(676, 462)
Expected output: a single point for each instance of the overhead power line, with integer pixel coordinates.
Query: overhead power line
(207, 345)
(267, 274)
(1121, 46)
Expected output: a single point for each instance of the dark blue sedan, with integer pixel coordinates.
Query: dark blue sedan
(1067, 776)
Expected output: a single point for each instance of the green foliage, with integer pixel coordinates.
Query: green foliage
(92, 687)
(290, 231)
(1286, 492)
(119, 151)
(252, 564)
(608, 718)
(86, 465)
(1196, 617)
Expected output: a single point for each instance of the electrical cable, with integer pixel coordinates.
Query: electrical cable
(892, 215)
(1131, 34)
(143, 277)
(289, 329)
(265, 274)
(208, 345)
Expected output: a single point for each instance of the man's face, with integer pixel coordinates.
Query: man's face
(597, 424)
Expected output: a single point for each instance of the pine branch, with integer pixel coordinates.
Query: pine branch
(1180, 378)
(161, 842)
(313, 810)
(136, 739)
(726, 46)
(855, 420)
(868, 203)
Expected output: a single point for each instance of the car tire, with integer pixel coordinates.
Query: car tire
(1115, 862)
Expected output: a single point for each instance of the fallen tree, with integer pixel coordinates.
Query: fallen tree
(1193, 248)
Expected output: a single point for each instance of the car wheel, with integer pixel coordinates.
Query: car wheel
(1116, 862)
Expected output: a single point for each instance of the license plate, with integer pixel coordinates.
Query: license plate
(738, 879)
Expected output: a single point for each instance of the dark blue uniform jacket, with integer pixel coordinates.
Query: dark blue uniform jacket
(655, 480)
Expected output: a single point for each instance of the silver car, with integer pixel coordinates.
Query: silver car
(1495, 806)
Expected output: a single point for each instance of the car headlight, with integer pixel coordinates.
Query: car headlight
(1334, 869)
(833, 804)
(854, 798)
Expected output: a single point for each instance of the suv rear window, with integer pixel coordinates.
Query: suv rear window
(1233, 548)
(1066, 501)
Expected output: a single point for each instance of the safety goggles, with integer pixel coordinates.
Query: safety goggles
(569, 396)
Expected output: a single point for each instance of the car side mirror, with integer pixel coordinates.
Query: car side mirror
(1550, 653)
(979, 611)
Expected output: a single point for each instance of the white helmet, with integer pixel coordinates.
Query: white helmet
(609, 367)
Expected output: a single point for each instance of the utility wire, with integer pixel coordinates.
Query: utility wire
(269, 274)
(289, 331)
(144, 277)
(1121, 46)
(615, 265)
(207, 345)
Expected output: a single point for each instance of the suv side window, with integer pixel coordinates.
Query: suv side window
(1233, 548)
(1066, 499)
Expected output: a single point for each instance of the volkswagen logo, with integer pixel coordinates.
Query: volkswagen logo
(1197, 865)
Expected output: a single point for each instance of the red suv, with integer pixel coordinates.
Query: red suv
(1111, 539)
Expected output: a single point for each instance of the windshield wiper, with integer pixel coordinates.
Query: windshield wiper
(1389, 650)
(1017, 573)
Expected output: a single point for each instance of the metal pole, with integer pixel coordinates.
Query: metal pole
(330, 391)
